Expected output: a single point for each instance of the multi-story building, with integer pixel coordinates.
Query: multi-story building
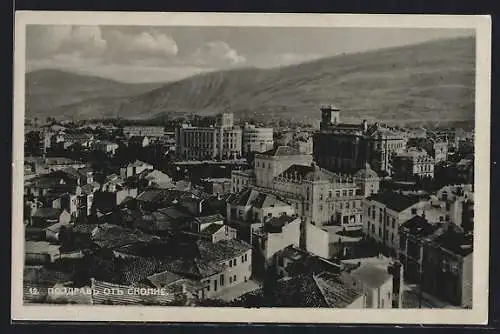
(222, 141)
(342, 147)
(274, 235)
(385, 213)
(413, 163)
(144, 131)
(439, 257)
(242, 179)
(270, 164)
(257, 139)
(368, 181)
(321, 197)
(106, 146)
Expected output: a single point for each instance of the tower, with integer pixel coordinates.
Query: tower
(329, 116)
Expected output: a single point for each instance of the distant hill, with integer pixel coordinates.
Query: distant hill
(429, 81)
(46, 90)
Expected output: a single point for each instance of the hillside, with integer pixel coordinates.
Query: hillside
(427, 81)
(46, 90)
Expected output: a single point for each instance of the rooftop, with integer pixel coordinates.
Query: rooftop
(48, 213)
(210, 219)
(371, 275)
(395, 201)
(281, 151)
(307, 290)
(276, 224)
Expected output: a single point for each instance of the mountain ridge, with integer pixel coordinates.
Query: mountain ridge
(419, 81)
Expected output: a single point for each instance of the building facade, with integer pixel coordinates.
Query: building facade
(385, 213)
(223, 141)
(413, 163)
(438, 257)
(144, 131)
(257, 139)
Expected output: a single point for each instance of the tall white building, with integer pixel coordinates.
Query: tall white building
(257, 139)
(222, 141)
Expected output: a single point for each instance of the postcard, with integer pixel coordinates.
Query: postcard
(251, 168)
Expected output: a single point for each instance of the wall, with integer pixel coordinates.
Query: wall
(242, 271)
(467, 281)
(290, 235)
(317, 241)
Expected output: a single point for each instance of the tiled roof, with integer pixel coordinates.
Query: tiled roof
(266, 201)
(72, 172)
(222, 250)
(314, 291)
(395, 201)
(210, 219)
(419, 226)
(281, 151)
(275, 224)
(212, 228)
(164, 278)
(48, 213)
(310, 173)
(241, 198)
(113, 236)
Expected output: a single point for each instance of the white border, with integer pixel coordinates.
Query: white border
(479, 312)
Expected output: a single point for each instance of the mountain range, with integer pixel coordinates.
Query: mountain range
(428, 81)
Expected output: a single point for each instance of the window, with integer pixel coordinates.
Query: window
(337, 193)
(234, 262)
(208, 286)
(246, 257)
(234, 278)
(230, 263)
(347, 205)
(230, 280)
(320, 207)
(413, 211)
(329, 194)
(242, 259)
(344, 192)
(351, 192)
(393, 223)
(221, 279)
(369, 211)
(320, 197)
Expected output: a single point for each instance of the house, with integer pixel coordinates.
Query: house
(134, 168)
(375, 282)
(249, 209)
(156, 179)
(413, 163)
(40, 252)
(106, 146)
(439, 257)
(276, 234)
(323, 290)
(385, 213)
(138, 142)
(49, 221)
(216, 186)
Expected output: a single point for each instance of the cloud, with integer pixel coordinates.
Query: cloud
(43, 42)
(217, 53)
(144, 47)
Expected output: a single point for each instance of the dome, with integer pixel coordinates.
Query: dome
(366, 172)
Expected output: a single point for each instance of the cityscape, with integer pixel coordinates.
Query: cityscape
(335, 207)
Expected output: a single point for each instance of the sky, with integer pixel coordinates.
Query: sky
(169, 53)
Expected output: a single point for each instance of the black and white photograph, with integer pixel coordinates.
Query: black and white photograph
(205, 164)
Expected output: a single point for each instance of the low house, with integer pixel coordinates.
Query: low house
(216, 186)
(134, 168)
(324, 290)
(156, 179)
(48, 221)
(40, 252)
(107, 147)
(274, 235)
